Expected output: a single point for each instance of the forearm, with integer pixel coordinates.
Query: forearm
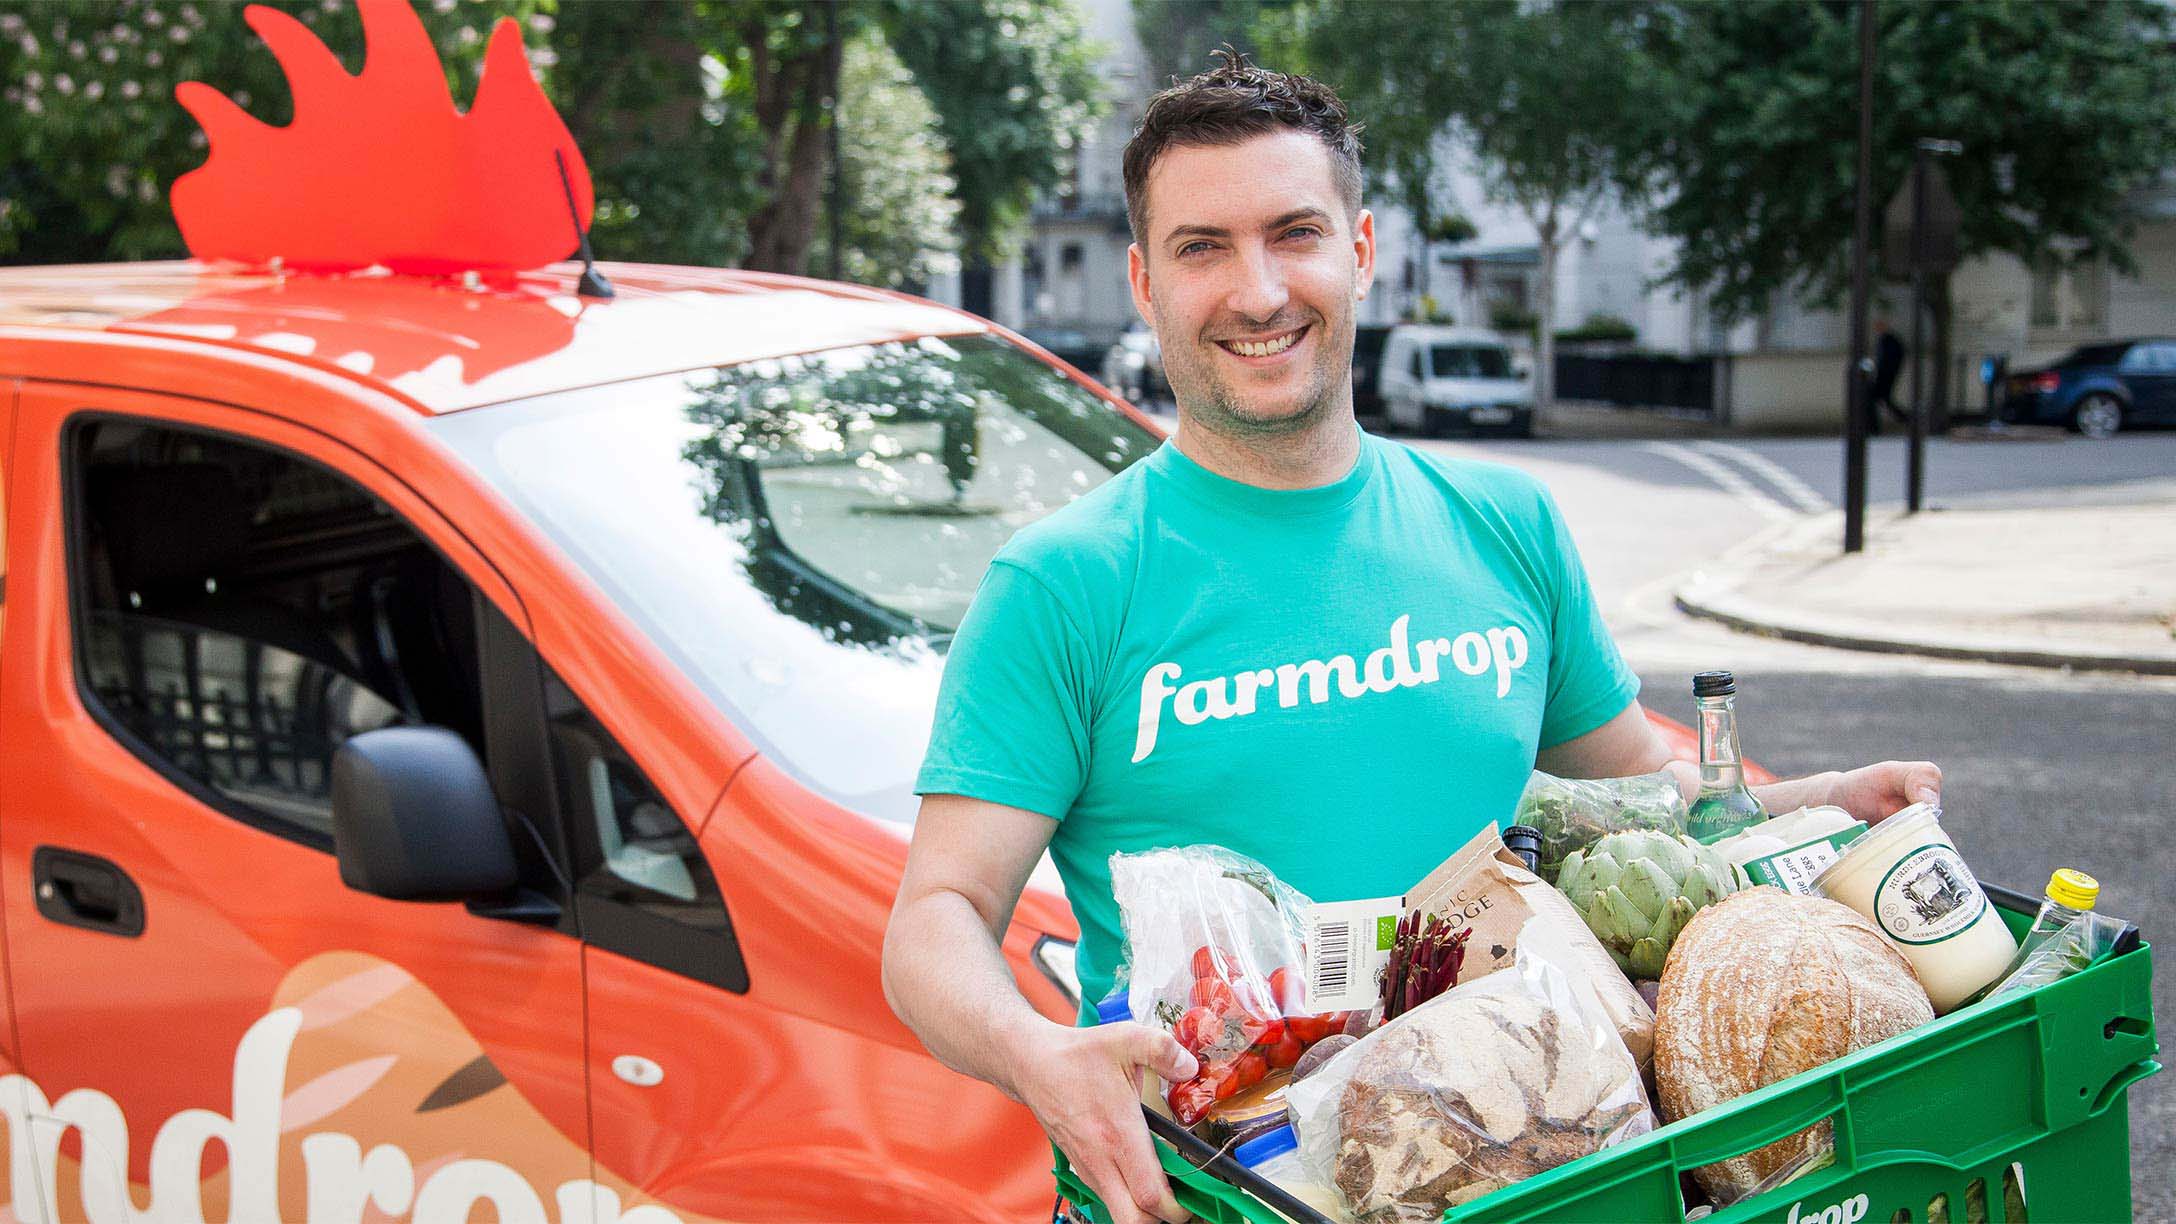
(947, 979)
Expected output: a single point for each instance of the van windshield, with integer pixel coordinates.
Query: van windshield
(803, 535)
(1469, 361)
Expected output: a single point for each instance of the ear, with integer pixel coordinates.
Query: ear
(1137, 279)
(1363, 254)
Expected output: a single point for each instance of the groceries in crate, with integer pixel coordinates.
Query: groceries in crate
(1574, 813)
(1759, 987)
(1275, 1156)
(1488, 1084)
(1789, 851)
(1906, 875)
(1636, 890)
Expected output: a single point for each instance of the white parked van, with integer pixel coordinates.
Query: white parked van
(1437, 379)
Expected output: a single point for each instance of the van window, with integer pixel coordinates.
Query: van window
(642, 885)
(1469, 361)
(237, 646)
(1414, 365)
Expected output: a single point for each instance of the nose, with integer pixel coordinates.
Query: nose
(1259, 291)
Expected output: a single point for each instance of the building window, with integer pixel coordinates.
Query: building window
(2069, 295)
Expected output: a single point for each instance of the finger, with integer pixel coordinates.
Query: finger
(1923, 782)
(1111, 1188)
(1151, 1188)
(1161, 1053)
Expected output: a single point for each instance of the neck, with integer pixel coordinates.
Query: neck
(1323, 453)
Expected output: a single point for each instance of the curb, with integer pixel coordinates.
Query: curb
(1748, 617)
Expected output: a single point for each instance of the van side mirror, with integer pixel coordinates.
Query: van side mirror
(414, 818)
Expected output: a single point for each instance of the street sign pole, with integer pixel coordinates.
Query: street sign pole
(1856, 375)
(1915, 463)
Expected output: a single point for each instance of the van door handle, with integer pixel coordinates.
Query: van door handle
(83, 890)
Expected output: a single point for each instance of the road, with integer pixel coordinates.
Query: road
(2042, 769)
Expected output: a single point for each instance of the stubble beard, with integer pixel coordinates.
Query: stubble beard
(1216, 406)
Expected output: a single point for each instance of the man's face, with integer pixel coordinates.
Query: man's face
(1249, 274)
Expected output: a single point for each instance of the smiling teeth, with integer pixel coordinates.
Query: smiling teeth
(1266, 348)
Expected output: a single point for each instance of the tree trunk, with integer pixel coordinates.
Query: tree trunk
(795, 110)
(1545, 317)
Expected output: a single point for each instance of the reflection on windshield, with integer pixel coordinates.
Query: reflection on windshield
(1469, 361)
(802, 535)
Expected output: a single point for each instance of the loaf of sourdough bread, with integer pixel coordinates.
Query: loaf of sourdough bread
(1763, 985)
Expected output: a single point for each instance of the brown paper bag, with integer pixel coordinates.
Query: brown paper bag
(1486, 887)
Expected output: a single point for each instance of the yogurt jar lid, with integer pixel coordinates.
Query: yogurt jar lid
(1880, 840)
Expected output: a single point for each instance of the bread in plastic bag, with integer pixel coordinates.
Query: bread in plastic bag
(1488, 1084)
(1213, 947)
(1574, 813)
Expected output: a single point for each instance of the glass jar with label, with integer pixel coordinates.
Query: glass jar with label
(1907, 877)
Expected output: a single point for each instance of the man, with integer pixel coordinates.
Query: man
(1332, 653)
(1881, 390)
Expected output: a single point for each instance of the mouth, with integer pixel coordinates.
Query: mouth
(1265, 348)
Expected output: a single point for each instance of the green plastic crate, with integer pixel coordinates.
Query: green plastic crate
(2038, 1081)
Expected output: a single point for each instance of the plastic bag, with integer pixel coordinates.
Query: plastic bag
(1574, 813)
(1489, 1083)
(1213, 948)
(2081, 941)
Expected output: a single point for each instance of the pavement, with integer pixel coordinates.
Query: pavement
(2080, 582)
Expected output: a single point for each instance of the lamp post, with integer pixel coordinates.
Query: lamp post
(1857, 377)
(1922, 259)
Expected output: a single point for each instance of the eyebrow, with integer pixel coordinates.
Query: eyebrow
(1212, 231)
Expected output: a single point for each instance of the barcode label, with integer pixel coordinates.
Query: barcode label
(1347, 946)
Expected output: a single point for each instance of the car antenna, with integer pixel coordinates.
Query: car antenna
(593, 283)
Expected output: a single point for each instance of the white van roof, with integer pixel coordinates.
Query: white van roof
(1436, 333)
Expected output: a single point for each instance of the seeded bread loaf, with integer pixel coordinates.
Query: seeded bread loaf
(1763, 985)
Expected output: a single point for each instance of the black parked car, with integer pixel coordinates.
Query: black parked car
(2099, 388)
(1367, 368)
(1074, 345)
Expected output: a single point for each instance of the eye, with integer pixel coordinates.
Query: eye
(1311, 231)
(1194, 246)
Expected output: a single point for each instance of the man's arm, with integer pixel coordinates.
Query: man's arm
(1629, 744)
(946, 977)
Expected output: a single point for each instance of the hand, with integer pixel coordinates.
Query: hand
(1083, 1085)
(1873, 793)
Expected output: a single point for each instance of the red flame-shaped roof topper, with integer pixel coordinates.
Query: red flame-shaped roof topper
(380, 168)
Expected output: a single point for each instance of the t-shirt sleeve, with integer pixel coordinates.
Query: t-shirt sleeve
(1589, 682)
(1013, 709)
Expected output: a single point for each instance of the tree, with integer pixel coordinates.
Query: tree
(1546, 98)
(94, 136)
(2063, 109)
(891, 152)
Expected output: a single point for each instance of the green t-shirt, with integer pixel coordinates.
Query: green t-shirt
(1345, 683)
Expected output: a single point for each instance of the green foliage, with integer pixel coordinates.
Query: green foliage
(1506, 317)
(1450, 227)
(1178, 35)
(94, 136)
(2062, 107)
(905, 228)
(1600, 327)
(1014, 83)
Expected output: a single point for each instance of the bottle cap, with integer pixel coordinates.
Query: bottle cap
(1524, 841)
(1256, 1150)
(1714, 684)
(2072, 887)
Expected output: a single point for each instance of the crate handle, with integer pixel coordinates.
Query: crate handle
(1757, 1126)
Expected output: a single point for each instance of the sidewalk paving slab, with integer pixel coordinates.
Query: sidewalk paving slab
(2082, 586)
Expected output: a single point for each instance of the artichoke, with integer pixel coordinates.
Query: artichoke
(1638, 889)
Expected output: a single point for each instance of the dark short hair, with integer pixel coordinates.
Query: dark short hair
(1232, 102)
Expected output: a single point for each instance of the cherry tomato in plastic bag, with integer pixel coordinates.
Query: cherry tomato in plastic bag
(1250, 1069)
(1190, 1100)
(1207, 992)
(1284, 986)
(1309, 1029)
(1197, 1029)
(1285, 1052)
(1208, 963)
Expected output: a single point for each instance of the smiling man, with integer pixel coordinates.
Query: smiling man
(1335, 654)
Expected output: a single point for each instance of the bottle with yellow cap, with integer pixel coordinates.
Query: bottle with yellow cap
(2064, 914)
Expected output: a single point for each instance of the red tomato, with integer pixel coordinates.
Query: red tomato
(1226, 1080)
(1309, 1029)
(1285, 1052)
(1254, 998)
(1208, 962)
(1209, 992)
(1198, 1029)
(1250, 1069)
(1190, 1100)
(1284, 986)
(1271, 1034)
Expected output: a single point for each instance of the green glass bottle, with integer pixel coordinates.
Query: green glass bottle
(1725, 803)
